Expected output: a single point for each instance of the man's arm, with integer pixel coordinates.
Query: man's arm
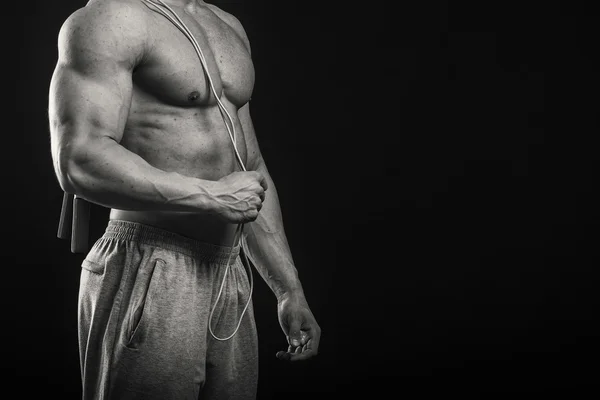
(90, 97)
(266, 235)
(267, 243)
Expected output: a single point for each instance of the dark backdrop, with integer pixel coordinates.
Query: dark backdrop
(444, 227)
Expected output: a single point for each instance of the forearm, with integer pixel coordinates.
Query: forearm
(110, 175)
(267, 242)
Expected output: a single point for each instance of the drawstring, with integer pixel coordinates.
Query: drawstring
(237, 237)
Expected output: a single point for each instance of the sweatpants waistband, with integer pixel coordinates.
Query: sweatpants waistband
(153, 236)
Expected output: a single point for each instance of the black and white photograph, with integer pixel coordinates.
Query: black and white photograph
(258, 199)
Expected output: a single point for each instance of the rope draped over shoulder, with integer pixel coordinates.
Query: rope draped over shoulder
(160, 7)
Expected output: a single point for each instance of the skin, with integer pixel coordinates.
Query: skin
(135, 128)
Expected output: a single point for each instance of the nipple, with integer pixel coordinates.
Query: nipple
(193, 96)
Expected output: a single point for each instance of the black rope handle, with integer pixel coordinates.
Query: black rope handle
(74, 222)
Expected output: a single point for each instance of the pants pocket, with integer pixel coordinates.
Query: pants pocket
(93, 266)
(91, 277)
(95, 260)
(141, 303)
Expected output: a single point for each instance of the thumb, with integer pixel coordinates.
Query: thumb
(295, 338)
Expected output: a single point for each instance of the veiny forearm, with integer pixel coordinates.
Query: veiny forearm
(108, 174)
(267, 242)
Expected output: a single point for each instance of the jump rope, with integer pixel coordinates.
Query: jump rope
(160, 7)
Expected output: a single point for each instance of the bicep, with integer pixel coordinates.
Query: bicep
(84, 105)
(91, 88)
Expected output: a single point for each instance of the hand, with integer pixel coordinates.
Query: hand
(300, 327)
(239, 196)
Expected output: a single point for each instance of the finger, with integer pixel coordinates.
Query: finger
(311, 348)
(308, 345)
(295, 335)
(305, 355)
(315, 337)
(252, 215)
(263, 182)
(258, 198)
(299, 353)
(304, 337)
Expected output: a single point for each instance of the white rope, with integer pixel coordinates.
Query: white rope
(174, 18)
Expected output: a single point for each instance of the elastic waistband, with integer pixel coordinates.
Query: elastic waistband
(150, 235)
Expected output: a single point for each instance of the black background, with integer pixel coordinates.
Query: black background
(443, 224)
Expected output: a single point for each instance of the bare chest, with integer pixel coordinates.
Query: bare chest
(173, 72)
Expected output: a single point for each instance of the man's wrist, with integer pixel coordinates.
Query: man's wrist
(287, 293)
(208, 192)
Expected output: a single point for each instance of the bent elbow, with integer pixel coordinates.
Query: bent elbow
(70, 171)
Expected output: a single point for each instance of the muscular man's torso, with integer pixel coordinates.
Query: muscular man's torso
(174, 122)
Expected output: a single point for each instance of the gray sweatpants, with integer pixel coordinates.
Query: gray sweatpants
(145, 299)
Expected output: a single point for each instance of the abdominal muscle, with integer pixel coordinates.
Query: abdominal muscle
(193, 142)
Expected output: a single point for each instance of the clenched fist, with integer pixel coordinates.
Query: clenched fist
(239, 196)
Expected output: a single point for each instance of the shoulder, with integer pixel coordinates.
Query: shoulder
(232, 21)
(105, 27)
